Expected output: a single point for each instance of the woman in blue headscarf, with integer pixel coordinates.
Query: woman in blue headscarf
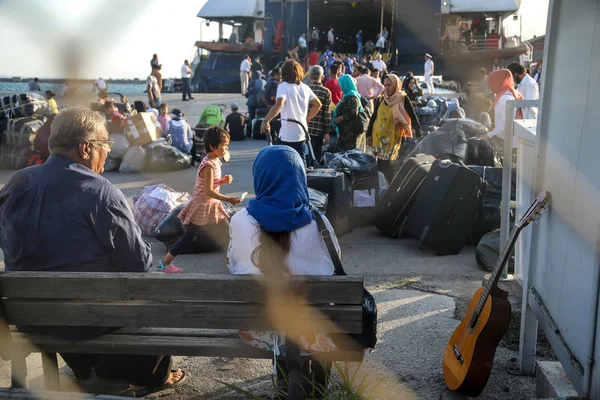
(348, 126)
(276, 235)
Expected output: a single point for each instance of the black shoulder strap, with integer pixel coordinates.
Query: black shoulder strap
(326, 235)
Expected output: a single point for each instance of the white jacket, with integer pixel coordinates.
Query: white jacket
(500, 117)
(530, 91)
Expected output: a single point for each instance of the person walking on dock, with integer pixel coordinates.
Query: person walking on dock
(186, 77)
(359, 44)
(429, 70)
(331, 39)
(314, 38)
(245, 68)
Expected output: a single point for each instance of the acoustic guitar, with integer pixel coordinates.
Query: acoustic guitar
(469, 355)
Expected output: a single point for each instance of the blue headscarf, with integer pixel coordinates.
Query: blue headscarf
(281, 203)
(349, 89)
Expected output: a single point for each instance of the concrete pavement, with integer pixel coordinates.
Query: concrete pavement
(419, 296)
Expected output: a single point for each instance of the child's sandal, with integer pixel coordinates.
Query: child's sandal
(171, 269)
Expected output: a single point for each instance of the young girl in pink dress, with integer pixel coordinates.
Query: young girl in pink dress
(205, 212)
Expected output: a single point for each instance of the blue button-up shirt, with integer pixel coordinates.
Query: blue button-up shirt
(62, 216)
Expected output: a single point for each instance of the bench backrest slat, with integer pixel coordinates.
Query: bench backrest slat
(164, 315)
(187, 301)
(176, 287)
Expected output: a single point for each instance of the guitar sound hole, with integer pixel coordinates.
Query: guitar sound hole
(473, 321)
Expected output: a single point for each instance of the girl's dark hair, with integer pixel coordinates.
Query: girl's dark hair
(213, 137)
(50, 93)
(269, 256)
(139, 106)
(292, 72)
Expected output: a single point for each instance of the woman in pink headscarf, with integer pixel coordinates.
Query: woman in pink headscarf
(501, 83)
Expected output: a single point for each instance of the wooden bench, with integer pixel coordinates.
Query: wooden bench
(182, 314)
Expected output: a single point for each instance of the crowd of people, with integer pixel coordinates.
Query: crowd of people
(354, 107)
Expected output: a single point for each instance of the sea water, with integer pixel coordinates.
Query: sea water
(124, 88)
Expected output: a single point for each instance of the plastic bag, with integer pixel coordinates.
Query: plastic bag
(160, 157)
(318, 200)
(493, 180)
(454, 110)
(133, 161)
(480, 152)
(383, 184)
(447, 142)
(469, 126)
(154, 203)
(488, 250)
(120, 147)
(353, 160)
(111, 164)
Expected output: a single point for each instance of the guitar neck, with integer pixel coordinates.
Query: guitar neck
(500, 264)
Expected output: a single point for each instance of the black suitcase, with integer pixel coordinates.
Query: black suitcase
(338, 186)
(398, 199)
(445, 208)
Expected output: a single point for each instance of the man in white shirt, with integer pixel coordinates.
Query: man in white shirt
(429, 71)
(101, 85)
(186, 77)
(302, 46)
(527, 86)
(331, 39)
(245, 68)
(379, 64)
(380, 45)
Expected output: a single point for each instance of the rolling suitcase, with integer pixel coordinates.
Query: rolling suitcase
(445, 208)
(398, 199)
(338, 186)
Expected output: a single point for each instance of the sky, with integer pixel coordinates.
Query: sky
(116, 39)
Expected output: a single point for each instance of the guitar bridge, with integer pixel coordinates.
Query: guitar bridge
(458, 355)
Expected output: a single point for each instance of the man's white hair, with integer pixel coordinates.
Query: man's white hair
(315, 72)
(73, 126)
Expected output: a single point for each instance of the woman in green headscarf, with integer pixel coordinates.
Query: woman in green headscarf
(346, 119)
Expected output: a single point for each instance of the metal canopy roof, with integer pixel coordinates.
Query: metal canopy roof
(457, 6)
(216, 10)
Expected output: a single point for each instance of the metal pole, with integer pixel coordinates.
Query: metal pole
(381, 24)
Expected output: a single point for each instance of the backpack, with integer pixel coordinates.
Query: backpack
(212, 115)
(360, 125)
(261, 100)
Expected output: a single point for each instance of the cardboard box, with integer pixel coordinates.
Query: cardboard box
(143, 128)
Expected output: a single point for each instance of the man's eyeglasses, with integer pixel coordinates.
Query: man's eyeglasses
(107, 144)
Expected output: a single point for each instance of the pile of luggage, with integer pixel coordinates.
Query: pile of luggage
(352, 187)
(157, 156)
(436, 109)
(21, 117)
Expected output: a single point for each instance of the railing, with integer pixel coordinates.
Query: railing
(509, 132)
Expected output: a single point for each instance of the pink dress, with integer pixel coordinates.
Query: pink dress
(204, 210)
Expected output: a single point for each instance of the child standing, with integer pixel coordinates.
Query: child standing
(164, 117)
(205, 213)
